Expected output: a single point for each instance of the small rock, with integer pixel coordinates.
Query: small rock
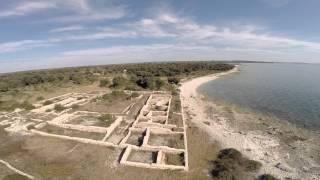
(287, 156)
(282, 167)
(269, 132)
(305, 169)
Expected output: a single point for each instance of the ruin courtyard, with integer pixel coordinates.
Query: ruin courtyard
(145, 128)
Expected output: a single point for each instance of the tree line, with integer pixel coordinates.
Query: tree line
(144, 75)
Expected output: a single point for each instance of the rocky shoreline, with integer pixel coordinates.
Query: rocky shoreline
(285, 151)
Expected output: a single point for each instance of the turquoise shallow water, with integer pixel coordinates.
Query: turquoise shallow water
(287, 91)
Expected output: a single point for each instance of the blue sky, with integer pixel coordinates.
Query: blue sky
(56, 33)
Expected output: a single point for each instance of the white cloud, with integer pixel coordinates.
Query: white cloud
(67, 28)
(186, 30)
(22, 45)
(67, 10)
(180, 35)
(115, 12)
(28, 8)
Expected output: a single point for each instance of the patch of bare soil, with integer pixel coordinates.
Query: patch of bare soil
(174, 159)
(175, 119)
(111, 105)
(118, 134)
(143, 156)
(15, 177)
(136, 138)
(60, 159)
(170, 140)
(73, 133)
(87, 121)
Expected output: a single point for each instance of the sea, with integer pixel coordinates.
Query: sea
(287, 91)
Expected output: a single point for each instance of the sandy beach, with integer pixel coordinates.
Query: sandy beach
(285, 151)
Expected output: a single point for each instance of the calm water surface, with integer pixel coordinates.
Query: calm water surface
(288, 91)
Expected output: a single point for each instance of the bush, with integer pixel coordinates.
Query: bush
(143, 82)
(47, 102)
(158, 84)
(40, 98)
(231, 164)
(267, 177)
(75, 106)
(59, 108)
(27, 106)
(4, 87)
(173, 80)
(134, 95)
(119, 81)
(104, 82)
(149, 83)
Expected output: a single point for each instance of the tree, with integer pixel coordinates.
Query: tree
(143, 82)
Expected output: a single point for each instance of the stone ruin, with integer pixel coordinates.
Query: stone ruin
(148, 139)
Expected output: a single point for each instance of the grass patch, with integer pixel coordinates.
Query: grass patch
(59, 108)
(115, 96)
(11, 105)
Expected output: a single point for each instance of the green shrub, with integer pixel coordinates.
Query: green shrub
(231, 164)
(47, 102)
(146, 82)
(40, 98)
(119, 81)
(267, 177)
(158, 83)
(26, 105)
(59, 107)
(173, 80)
